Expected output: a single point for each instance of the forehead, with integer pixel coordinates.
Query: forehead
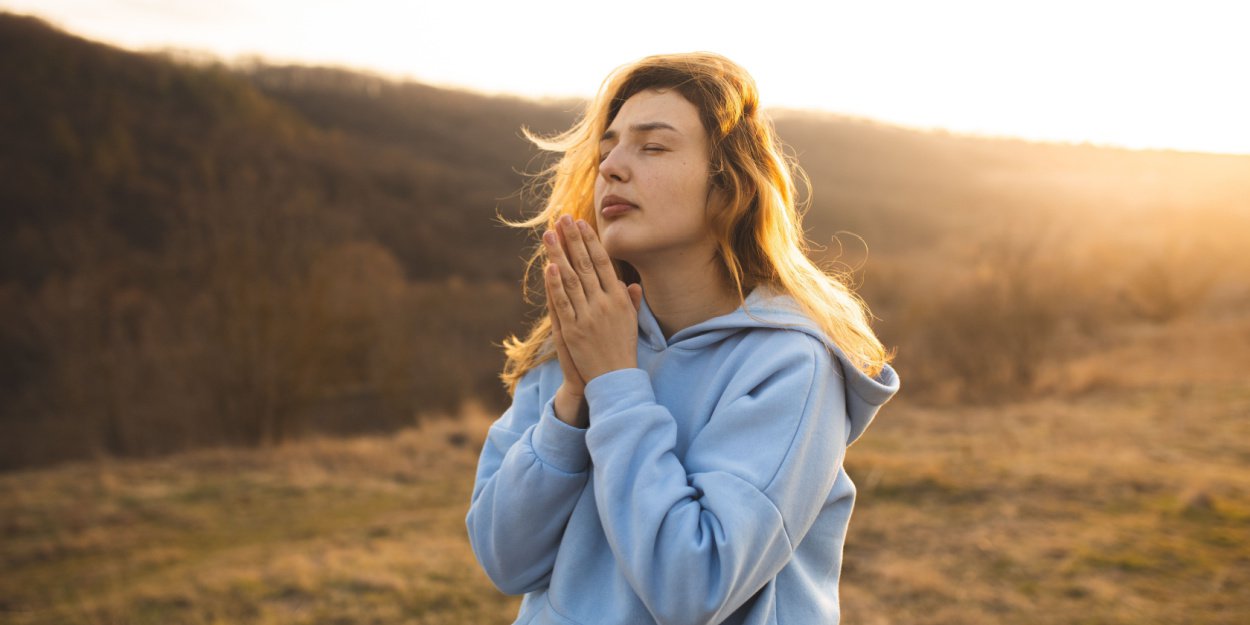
(659, 106)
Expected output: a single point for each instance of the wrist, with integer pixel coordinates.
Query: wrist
(567, 394)
(571, 408)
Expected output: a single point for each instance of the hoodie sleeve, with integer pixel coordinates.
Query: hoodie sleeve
(531, 472)
(698, 537)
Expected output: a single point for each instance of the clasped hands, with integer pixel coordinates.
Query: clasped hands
(594, 314)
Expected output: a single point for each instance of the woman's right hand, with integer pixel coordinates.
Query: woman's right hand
(574, 383)
(571, 397)
(571, 406)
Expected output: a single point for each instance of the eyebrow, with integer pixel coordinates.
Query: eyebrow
(642, 127)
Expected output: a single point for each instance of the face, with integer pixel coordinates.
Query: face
(655, 156)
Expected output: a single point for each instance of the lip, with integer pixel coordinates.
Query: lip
(618, 209)
(614, 205)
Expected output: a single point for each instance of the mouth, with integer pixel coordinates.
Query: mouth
(614, 205)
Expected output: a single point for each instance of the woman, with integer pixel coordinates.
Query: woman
(673, 452)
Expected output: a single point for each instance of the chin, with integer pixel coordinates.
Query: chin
(619, 246)
(617, 252)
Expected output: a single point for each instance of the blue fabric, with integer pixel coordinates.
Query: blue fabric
(709, 487)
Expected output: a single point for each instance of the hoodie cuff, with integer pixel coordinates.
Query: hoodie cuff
(559, 444)
(618, 390)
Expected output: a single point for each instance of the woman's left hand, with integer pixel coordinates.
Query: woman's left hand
(598, 314)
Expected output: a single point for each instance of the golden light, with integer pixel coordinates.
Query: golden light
(1124, 73)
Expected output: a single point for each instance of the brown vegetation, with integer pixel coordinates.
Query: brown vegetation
(1127, 504)
(196, 254)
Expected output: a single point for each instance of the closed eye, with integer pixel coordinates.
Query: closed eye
(648, 148)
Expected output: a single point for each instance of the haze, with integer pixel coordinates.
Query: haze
(1132, 74)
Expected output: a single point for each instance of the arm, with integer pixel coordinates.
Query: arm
(697, 540)
(531, 472)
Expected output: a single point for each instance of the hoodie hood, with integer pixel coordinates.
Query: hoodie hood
(766, 308)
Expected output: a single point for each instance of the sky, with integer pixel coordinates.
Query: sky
(1137, 74)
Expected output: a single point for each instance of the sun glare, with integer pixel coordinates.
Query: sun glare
(1133, 74)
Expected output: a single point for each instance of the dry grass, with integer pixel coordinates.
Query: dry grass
(1121, 498)
(1125, 508)
(352, 531)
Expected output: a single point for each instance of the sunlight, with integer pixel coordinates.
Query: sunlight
(1121, 73)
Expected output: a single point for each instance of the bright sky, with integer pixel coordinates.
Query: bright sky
(1141, 73)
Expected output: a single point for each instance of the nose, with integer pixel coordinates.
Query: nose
(613, 168)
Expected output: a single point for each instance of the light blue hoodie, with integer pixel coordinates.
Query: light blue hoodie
(709, 487)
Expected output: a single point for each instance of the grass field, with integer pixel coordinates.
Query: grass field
(1125, 498)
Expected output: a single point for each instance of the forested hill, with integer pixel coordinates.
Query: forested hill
(125, 145)
(193, 253)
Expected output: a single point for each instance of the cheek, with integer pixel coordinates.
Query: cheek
(598, 189)
(692, 187)
(681, 183)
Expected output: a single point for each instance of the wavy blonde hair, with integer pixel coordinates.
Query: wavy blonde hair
(759, 234)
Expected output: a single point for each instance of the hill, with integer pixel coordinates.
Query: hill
(199, 254)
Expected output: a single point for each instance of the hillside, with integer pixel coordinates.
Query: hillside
(197, 254)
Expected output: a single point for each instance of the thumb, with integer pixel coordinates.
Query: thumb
(635, 295)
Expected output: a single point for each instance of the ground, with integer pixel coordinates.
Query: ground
(1121, 499)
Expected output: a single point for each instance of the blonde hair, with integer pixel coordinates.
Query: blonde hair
(759, 235)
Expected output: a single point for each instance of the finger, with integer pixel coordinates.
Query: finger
(556, 296)
(562, 349)
(569, 279)
(580, 257)
(556, 335)
(599, 256)
(635, 296)
(551, 307)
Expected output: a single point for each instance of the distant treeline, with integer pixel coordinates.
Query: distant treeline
(196, 254)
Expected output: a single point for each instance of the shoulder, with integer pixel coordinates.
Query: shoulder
(769, 353)
(782, 396)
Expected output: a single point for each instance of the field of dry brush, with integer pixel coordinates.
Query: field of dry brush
(1123, 500)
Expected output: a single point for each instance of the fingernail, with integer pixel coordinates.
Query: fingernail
(549, 237)
(583, 225)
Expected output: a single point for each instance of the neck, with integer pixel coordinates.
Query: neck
(681, 294)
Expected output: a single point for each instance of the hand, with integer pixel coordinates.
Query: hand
(570, 398)
(574, 386)
(595, 315)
